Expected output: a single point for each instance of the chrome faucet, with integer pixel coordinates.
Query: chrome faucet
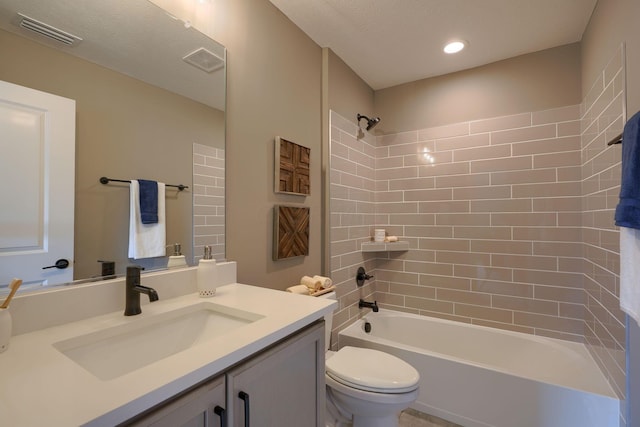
(133, 289)
(372, 305)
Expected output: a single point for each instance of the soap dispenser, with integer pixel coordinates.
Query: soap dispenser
(207, 275)
(177, 259)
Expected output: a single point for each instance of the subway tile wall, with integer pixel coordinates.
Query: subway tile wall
(208, 200)
(492, 211)
(509, 221)
(352, 216)
(602, 120)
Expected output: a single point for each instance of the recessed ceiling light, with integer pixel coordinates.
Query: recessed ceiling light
(454, 46)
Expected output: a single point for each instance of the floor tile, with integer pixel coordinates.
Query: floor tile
(413, 418)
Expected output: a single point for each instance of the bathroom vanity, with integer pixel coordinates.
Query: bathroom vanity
(247, 351)
(279, 387)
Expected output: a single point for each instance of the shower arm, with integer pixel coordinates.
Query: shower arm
(371, 123)
(360, 117)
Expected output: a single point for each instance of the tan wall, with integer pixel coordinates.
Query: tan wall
(345, 94)
(348, 93)
(273, 89)
(501, 88)
(125, 129)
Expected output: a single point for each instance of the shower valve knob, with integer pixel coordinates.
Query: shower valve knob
(361, 276)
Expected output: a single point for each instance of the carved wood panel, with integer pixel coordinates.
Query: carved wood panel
(292, 167)
(291, 232)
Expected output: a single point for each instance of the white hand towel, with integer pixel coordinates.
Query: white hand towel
(630, 272)
(298, 289)
(146, 240)
(311, 283)
(325, 282)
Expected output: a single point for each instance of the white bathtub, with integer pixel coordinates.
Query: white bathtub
(477, 376)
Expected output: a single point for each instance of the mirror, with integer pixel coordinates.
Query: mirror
(142, 112)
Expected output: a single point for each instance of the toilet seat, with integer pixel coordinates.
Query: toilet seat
(372, 370)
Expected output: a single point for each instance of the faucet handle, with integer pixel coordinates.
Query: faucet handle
(361, 276)
(108, 268)
(133, 272)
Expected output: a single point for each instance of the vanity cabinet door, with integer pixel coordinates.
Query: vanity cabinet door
(203, 406)
(284, 386)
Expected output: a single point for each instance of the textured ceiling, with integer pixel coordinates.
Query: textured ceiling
(389, 42)
(136, 38)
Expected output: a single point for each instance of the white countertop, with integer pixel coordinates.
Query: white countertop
(40, 386)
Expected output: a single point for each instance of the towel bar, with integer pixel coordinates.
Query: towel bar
(616, 140)
(105, 180)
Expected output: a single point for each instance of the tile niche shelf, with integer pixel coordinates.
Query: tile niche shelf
(384, 246)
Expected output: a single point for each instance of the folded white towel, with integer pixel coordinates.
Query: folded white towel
(146, 240)
(325, 282)
(311, 283)
(630, 272)
(298, 289)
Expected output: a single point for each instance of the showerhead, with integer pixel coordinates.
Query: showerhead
(371, 123)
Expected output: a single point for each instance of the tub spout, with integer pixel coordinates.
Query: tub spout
(372, 305)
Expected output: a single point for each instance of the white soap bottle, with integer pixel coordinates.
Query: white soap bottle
(177, 259)
(207, 274)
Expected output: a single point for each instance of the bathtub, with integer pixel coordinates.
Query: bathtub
(477, 376)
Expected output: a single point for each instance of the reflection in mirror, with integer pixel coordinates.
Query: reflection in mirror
(142, 112)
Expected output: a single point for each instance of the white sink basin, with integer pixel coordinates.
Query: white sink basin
(118, 350)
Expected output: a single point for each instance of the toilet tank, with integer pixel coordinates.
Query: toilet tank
(328, 321)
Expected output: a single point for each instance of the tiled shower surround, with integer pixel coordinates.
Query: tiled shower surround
(208, 200)
(509, 221)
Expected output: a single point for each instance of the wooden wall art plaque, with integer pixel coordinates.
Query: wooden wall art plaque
(292, 167)
(290, 232)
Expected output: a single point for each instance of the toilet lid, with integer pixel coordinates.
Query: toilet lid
(372, 370)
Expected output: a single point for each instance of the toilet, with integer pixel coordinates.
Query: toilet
(365, 387)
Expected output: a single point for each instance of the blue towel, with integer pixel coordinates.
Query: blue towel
(148, 201)
(628, 209)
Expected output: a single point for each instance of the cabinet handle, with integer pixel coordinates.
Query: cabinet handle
(219, 411)
(245, 397)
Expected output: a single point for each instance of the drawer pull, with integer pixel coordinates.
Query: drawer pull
(245, 397)
(219, 411)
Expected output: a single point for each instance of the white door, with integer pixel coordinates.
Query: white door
(37, 169)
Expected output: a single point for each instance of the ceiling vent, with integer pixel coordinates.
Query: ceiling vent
(48, 31)
(205, 60)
